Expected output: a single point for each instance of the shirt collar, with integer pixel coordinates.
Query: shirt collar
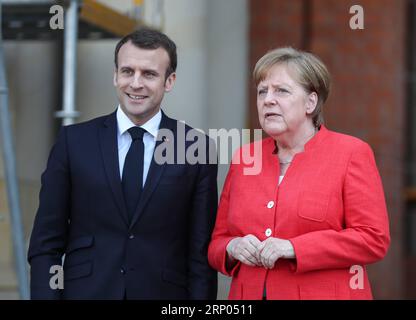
(151, 126)
(322, 130)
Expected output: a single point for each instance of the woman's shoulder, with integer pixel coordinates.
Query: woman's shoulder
(345, 141)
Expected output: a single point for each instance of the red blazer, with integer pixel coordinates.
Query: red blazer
(330, 205)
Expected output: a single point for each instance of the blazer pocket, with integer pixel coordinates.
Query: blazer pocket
(79, 243)
(318, 291)
(78, 271)
(313, 205)
(175, 278)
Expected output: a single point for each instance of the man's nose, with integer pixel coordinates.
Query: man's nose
(136, 82)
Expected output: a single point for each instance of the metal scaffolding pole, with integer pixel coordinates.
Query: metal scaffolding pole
(68, 112)
(11, 180)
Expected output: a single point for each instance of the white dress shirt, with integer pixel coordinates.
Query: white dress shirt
(124, 139)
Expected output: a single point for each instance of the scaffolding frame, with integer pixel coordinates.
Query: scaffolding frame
(98, 18)
(11, 179)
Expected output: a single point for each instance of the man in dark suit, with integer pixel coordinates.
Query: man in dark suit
(124, 224)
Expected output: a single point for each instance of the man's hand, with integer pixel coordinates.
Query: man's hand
(245, 250)
(272, 249)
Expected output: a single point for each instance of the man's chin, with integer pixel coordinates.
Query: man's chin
(140, 116)
(135, 108)
(134, 104)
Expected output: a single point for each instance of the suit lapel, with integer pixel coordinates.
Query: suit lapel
(155, 171)
(109, 152)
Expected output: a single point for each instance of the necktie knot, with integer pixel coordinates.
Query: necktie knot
(136, 133)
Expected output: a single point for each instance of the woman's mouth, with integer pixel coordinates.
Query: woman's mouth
(272, 115)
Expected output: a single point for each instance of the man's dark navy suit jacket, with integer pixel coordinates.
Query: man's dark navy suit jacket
(160, 254)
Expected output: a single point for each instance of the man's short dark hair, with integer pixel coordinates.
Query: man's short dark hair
(147, 38)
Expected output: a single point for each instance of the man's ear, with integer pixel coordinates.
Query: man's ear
(115, 77)
(170, 81)
(311, 102)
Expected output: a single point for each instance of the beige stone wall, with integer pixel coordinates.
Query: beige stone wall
(7, 274)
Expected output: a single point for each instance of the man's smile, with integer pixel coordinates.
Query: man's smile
(136, 97)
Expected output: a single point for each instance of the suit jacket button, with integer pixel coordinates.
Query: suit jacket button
(122, 271)
(268, 232)
(131, 236)
(270, 204)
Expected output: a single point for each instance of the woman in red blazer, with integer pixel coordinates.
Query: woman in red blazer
(315, 215)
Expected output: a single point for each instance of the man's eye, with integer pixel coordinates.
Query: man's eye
(126, 71)
(149, 74)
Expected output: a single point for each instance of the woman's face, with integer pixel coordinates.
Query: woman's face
(282, 103)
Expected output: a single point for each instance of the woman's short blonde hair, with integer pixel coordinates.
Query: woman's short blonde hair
(309, 70)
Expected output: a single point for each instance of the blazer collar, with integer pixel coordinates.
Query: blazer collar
(311, 144)
(109, 151)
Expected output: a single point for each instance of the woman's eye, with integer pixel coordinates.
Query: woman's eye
(262, 92)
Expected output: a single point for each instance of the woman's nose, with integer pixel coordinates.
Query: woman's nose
(270, 99)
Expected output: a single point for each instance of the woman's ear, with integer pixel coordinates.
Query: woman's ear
(311, 102)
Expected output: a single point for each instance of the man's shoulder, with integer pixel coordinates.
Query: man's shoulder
(180, 125)
(91, 124)
(188, 136)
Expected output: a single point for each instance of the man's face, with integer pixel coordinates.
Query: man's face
(140, 81)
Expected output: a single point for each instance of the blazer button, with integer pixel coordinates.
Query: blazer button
(122, 271)
(270, 204)
(268, 232)
(131, 236)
